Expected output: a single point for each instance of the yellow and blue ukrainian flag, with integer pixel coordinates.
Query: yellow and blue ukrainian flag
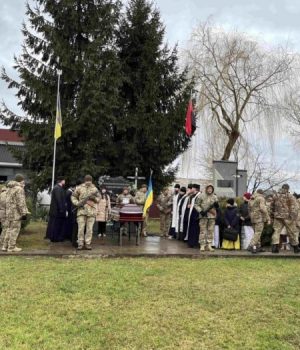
(149, 196)
(58, 121)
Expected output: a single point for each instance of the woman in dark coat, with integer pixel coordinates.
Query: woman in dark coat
(58, 213)
(231, 221)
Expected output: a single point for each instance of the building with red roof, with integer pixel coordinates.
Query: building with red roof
(9, 165)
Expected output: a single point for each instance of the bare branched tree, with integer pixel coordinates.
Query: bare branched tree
(237, 78)
(292, 110)
(264, 172)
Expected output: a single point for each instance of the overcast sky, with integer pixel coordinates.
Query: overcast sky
(275, 20)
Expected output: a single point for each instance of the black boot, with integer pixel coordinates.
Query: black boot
(260, 250)
(296, 249)
(275, 248)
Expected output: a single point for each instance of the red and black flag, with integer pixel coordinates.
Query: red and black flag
(190, 119)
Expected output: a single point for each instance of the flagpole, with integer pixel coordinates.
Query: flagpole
(59, 72)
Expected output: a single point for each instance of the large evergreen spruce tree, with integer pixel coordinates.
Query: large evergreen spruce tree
(154, 95)
(123, 96)
(77, 37)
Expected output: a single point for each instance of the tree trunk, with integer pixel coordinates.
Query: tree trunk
(232, 139)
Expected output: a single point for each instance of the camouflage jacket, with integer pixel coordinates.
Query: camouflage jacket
(204, 201)
(124, 199)
(164, 203)
(258, 209)
(298, 219)
(83, 192)
(285, 206)
(140, 198)
(15, 202)
(3, 203)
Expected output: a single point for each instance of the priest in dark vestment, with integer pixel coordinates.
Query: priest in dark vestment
(193, 230)
(184, 214)
(57, 213)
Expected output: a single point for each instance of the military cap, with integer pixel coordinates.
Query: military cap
(88, 178)
(19, 178)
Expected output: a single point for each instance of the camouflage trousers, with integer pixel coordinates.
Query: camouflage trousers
(11, 234)
(291, 231)
(258, 229)
(165, 222)
(145, 223)
(4, 225)
(85, 223)
(207, 229)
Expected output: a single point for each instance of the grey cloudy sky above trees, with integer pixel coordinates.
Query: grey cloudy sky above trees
(276, 20)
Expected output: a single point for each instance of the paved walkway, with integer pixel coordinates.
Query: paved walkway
(152, 247)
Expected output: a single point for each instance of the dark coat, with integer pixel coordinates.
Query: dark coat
(58, 206)
(244, 212)
(57, 215)
(194, 230)
(71, 223)
(231, 217)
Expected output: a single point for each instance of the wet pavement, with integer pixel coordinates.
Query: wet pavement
(152, 246)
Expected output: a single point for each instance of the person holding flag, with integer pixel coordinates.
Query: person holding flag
(147, 204)
(140, 199)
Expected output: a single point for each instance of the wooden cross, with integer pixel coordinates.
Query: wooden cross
(136, 177)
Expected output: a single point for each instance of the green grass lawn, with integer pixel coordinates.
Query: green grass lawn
(149, 304)
(32, 237)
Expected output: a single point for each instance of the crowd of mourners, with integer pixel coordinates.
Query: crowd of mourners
(190, 215)
(198, 219)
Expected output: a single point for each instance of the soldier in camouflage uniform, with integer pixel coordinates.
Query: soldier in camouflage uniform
(85, 197)
(3, 213)
(206, 205)
(259, 215)
(140, 199)
(16, 211)
(164, 204)
(285, 214)
(124, 198)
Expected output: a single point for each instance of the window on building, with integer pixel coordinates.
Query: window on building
(3, 179)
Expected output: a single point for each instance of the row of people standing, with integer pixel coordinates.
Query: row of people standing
(73, 212)
(282, 211)
(196, 218)
(190, 215)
